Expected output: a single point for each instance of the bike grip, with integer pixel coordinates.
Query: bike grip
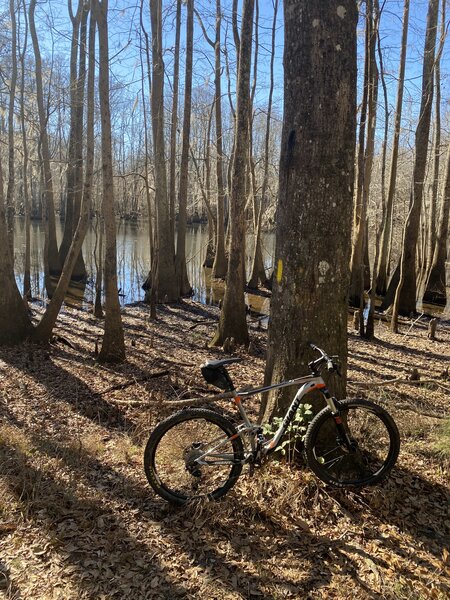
(330, 366)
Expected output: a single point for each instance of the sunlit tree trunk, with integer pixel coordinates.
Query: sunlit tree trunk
(174, 119)
(233, 321)
(163, 284)
(113, 346)
(75, 159)
(310, 292)
(359, 257)
(44, 329)
(258, 273)
(184, 287)
(383, 263)
(26, 194)
(51, 258)
(10, 208)
(220, 262)
(406, 292)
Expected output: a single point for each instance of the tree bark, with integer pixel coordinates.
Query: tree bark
(51, 250)
(406, 292)
(15, 324)
(174, 121)
(310, 293)
(383, 263)
(233, 320)
(220, 262)
(113, 346)
(10, 208)
(184, 287)
(163, 281)
(44, 329)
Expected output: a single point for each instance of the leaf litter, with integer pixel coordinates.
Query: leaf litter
(78, 520)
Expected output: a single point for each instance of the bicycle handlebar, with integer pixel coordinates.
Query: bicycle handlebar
(324, 358)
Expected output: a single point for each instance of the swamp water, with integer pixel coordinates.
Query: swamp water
(133, 261)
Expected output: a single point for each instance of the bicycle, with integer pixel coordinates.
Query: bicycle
(198, 452)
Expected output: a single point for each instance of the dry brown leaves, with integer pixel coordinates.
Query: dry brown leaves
(77, 519)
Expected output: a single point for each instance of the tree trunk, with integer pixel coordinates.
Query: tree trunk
(406, 293)
(163, 280)
(113, 346)
(15, 324)
(26, 194)
(44, 329)
(359, 257)
(52, 257)
(174, 122)
(75, 162)
(383, 262)
(184, 287)
(10, 208)
(220, 262)
(233, 319)
(258, 273)
(436, 284)
(310, 292)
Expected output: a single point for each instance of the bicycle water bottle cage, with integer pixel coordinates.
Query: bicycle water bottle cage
(214, 372)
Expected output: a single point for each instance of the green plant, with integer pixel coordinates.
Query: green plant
(443, 442)
(295, 433)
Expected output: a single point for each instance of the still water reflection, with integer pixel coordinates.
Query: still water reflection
(133, 262)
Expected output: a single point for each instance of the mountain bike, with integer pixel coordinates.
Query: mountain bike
(198, 452)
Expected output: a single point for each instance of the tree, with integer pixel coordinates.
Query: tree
(113, 346)
(233, 320)
(12, 95)
(358, 261)
(383, 266)
(220, 261)
(258, 273)
(184, 287)
(406, 291)
(44, 329)
(15, 324)
(162, 281)
(51, 250)
(75, 151)
(310, 293)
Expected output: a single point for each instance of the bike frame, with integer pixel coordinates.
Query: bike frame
(307, 383)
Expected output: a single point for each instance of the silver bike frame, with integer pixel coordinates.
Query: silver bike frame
(308, 383)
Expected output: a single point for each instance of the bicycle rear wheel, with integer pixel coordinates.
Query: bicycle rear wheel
(194, 453)
(375, 445)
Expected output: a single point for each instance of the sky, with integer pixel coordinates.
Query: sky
(54, 29)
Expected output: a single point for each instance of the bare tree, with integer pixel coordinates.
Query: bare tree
(51, 249)
(233, 321)
(406, 291)
(113, 346)
(162, 284)
(184, 287)
(383, 266)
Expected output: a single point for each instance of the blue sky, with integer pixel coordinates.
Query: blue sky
(54, 25)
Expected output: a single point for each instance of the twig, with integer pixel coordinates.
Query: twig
(202, 323)
(121, 386)
(413, 323)
(190, 401)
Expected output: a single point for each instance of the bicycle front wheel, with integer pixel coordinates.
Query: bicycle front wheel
(373, 451)
(194, 453)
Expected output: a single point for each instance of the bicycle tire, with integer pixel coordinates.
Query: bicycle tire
(379, 428)
(161, 464)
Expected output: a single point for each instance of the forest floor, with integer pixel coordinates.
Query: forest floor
(78, 519)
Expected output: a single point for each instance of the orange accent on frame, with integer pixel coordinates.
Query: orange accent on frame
(318, 386)
(237, 400)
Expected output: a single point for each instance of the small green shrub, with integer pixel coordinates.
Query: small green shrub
(295, 433)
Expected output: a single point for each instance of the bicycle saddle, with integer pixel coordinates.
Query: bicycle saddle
(215, 364)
